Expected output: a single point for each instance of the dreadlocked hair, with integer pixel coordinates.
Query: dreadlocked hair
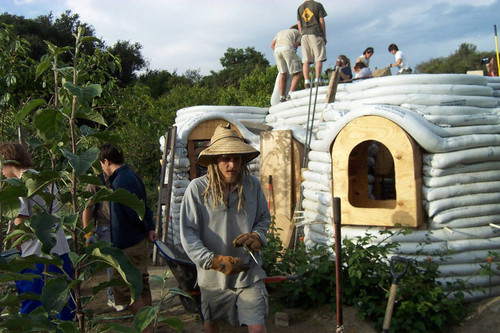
(215, 188)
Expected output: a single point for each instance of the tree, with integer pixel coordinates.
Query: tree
(58, 31)
(161, 82)
(131, 60)
(236, 64)
(464, 59)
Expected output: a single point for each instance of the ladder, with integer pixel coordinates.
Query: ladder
(165, 191)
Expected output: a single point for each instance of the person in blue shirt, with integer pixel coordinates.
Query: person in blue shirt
(128, 232)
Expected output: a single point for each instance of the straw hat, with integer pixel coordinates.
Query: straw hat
(226, 141)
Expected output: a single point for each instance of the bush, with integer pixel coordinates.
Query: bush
(421, 304)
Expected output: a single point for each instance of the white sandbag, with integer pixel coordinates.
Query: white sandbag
(302, 120)
(445, 234)
(466, 222)
(179, 183)
(318, 177)
(463, 178)
(300, 111)
(433, 248)
(436, 193)
(178, 191)
(474, 244)
(315, 217)
(324, 198)
(322, 90)
(180, 163)
(475, 256)
(428, 135)
(462, 269)
(299, 100)
(396, 80)
(442, 89)
(316, 206)
(478, 295)
(236, 115)
(320, 156)
(473, 281)
(189, 125)
(445, 110)
(192, 110)
(466, 156)
(313, 186)
(460, 169)
(321, 167)
(464, 212)
(437, 206)
(316, 238)
(424, 99)
(463, 120)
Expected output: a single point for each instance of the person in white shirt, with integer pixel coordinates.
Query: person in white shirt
(401, 60)
(362, 72)
(17, 162)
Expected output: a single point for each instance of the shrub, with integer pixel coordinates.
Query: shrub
(421, 303)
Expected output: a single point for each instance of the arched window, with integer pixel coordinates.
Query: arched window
(395, 164)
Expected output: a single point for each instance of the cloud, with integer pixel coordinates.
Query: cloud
(195, 34)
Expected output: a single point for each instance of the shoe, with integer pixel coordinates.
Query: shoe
(288, 98)
(282, 99)
(118, 308)
(307, 85)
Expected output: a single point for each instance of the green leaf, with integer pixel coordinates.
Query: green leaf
(86, 179)
(89, 91)
(41, 68)
(107, 137)
(49, 124)
(68, 327)
(33, 104)
(37, 182)
(13, 191)
(83, 162)
(118, 328)
(90, 39)
(19, 263)
(75, 258)
(121, 196)
(42, 224)
(145, 316)
(115, 258)
(174, 323)
(91, 115)
(70, 220)
(55, 294)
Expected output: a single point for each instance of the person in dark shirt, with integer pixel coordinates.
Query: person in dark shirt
(344, 65)
(128, 232)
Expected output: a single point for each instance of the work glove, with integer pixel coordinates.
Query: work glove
(228, 265)
(89, 239)
(251, 240)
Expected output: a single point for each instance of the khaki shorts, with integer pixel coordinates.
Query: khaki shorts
(242, 306)
(139, 257)
(313, 49)
(288, 61)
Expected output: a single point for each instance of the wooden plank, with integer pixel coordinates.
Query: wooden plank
(276, 160)
(332, 86)
(349, 174)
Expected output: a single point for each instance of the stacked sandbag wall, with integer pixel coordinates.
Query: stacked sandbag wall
(455, 120)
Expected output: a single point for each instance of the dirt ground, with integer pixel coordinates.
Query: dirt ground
(484, 316)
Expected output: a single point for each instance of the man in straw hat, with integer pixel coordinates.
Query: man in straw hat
(224, 222)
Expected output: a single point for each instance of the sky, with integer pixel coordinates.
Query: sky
(180, 35)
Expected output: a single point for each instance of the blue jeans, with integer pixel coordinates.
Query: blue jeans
(36, 286)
